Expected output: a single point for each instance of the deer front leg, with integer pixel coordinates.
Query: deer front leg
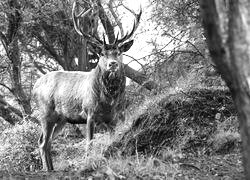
(90, 132)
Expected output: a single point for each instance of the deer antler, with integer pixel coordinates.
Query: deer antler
(135, 26)
(93, 38)
(76, 22)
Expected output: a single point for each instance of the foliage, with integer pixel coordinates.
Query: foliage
(181, 48)
(177, 14)
(18, 150)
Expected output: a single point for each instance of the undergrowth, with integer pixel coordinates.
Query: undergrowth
(18, 147)
(189, 121)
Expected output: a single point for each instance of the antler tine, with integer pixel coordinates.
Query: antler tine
(116, 39)
(104, 41)
(75, 18)
(135, 26)
(98, 40)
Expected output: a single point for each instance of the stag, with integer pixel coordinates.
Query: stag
(77, 97)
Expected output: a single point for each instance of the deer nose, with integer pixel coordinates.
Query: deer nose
(113, 64)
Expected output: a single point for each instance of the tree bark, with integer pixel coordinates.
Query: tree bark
(10, 42)
(231, 54)
(9, 113)
(86, 24)
(139, 78)
(109, 29)
(15, 74)
(83, 61)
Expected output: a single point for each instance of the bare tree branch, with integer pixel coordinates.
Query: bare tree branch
(130, 10)
(139, 78)
(9, 113)
(118, 22)
(136, 60)
(50, 49)
(197, 50)
(9, 89)
(4, 41)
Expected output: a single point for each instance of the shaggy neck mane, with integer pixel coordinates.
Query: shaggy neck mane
(111, 87)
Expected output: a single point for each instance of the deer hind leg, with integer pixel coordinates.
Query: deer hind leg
(45, 145)
(58, 127)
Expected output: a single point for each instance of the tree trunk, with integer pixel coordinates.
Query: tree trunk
(86, 25)
(15, 74)
(109, 29)
(10, 42)
(83, 61)
(9, 113)
(139, 78)
(231, 54)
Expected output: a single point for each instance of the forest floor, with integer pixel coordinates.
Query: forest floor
(215, 167)
(184, 135)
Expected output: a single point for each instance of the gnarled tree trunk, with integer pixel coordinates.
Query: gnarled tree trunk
(10, 43)
(230, 50)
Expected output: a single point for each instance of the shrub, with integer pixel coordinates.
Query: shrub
(18, 147)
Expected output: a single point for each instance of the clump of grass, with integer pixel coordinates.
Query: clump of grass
(143, 167)
(18, 147)
(224, 142)
(70, 154)
(226, 138)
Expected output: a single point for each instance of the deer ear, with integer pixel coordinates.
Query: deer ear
(126, 46)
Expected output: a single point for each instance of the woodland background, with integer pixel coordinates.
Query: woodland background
(181, 122)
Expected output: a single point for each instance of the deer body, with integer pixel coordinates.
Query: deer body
(82, 97)
(78, 97)
(73, 95)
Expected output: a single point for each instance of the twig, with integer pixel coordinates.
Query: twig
(189, 165)
(136, 151)
(130, 10)
(133, 59)
(10, 89)
(196, 49)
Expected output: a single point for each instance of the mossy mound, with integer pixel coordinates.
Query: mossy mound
(186, 120)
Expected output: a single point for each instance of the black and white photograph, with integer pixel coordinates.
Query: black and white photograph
(125, 89)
